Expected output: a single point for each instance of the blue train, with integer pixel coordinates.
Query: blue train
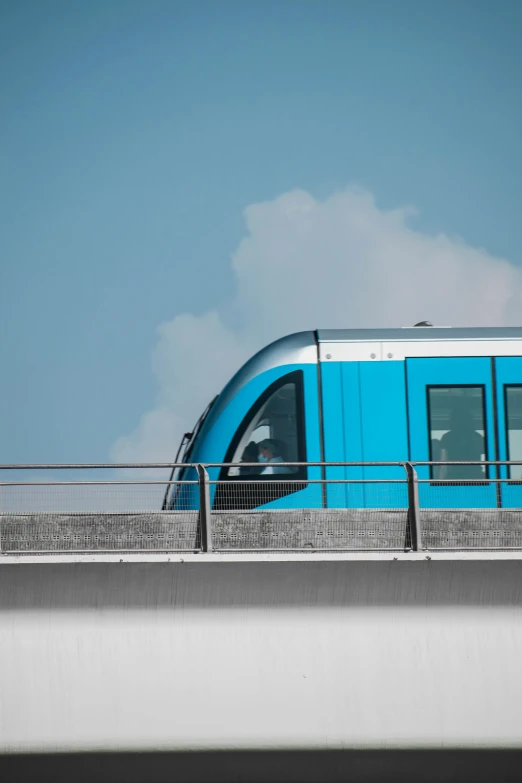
(418, 394)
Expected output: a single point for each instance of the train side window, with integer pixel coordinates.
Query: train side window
(456, 429)
(513, 408)
(271, 433)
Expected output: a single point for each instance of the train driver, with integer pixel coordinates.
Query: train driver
(270, 451)
(250, 454)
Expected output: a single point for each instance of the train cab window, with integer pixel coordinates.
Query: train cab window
(513, 408)
(456, 424)
(271, 433)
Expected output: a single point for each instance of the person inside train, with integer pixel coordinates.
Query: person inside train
(271, 451)
(250, 454)
(462, 442)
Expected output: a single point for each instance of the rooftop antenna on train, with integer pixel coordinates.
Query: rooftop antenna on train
(423, 323)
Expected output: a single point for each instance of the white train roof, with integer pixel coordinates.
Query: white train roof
(345, 345)
(420, 333)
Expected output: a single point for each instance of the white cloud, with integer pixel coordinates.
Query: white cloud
(193, 360)
(304, 264)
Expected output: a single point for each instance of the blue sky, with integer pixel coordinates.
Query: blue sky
(136, 134)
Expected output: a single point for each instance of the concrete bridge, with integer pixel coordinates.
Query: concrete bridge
(391, 659)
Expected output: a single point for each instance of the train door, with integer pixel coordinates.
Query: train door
(384, 432)
(508, 375)
(364, 420)
(451, 418)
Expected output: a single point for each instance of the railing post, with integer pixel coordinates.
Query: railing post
(205, 521)
(413, 507)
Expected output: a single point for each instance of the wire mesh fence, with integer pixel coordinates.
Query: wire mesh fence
(83, 533)
(95, 509)
(317, 514)
(471, 514)
(82, 489)
(311, 507)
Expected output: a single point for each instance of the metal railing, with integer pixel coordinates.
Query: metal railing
(378, 506)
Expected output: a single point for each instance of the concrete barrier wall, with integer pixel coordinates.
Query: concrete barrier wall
(359, 654)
